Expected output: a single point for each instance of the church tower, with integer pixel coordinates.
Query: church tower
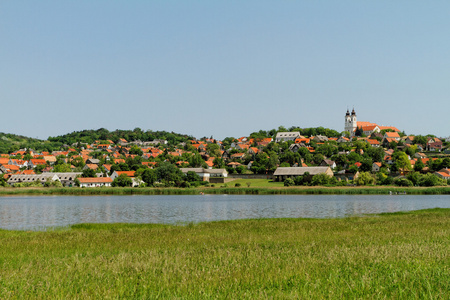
(350, 122)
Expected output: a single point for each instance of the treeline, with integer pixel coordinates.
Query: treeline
(102, 134)
(312, 131)
(12, 142)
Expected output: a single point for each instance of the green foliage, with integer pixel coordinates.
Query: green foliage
(322, 179)
(122, 181)
(147, 175)
(346, 258)
(365, 178)
(288, 182)
(402, 161)
(88, 173)
(136, 150)
(169, 174)
(403, 182)
(90, 136)
(191, 176)
(62, 168)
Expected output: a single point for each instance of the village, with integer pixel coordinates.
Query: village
(363, 154)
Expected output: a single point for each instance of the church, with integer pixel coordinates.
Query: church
(351, 124)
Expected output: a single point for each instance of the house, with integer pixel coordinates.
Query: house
(211, 175)
(18, 162)
(234, 164)
(41, 178)
(282, 173)
(90, 166)
(392, 135)
(373, 143)
(434, 144)
(93, 161)
(369, 129)
(9, 169)
(320, 138)
(328, 163)
(287, 136)
(408, 140)
(238, 156)
(253, 150)
(296, 147)
(68, 178)
(35, 162)
(50, 159)
(343, 139)
(95, 181)
(376, 166)
(444, 174)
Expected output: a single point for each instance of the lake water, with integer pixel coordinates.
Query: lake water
(42, 212)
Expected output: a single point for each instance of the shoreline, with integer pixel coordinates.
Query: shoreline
(369, 190)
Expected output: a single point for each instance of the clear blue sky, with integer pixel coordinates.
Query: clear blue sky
(223, 68)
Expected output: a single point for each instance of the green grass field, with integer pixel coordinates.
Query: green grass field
(392, 256)
(255, 183)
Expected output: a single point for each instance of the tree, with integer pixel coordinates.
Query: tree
(191, 176)
(213, 150)
(219, 163)
(88, 173)
(122, 181)
(402, 161)
(147, 175)
(62, 168)
(167, 172)
(196, 161)
(419, 165)
(136, 150)
(39, 168)
(320, 179)
(365, 178)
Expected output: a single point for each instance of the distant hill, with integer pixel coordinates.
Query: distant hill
(12, 142)
(102, 134)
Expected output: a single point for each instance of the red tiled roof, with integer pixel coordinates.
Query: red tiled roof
(128, 173)
(95, 180)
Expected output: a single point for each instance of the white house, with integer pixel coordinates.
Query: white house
(95, 181)
(206, 174)
(287, 136)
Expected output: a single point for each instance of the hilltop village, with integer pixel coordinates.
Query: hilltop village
(363, 154)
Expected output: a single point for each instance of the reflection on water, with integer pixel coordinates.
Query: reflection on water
(37, 213)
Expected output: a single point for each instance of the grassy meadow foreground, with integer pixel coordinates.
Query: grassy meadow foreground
(401, 255)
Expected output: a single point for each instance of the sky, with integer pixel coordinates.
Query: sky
(223, 68)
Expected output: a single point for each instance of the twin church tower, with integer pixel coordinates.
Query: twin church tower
(350, 122)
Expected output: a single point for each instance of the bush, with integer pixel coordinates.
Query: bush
(403, 182)
(289, 182)
(237, 185)
(365, 178)
(185, 184)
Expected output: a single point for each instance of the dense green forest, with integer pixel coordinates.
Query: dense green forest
(11, 142)
(102, 134)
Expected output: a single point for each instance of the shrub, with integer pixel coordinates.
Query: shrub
(237, 185)
(403, 182)
(289, 182)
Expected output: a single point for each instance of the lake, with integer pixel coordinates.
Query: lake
(43, 212)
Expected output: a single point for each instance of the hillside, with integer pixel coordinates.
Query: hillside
(90, 136)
